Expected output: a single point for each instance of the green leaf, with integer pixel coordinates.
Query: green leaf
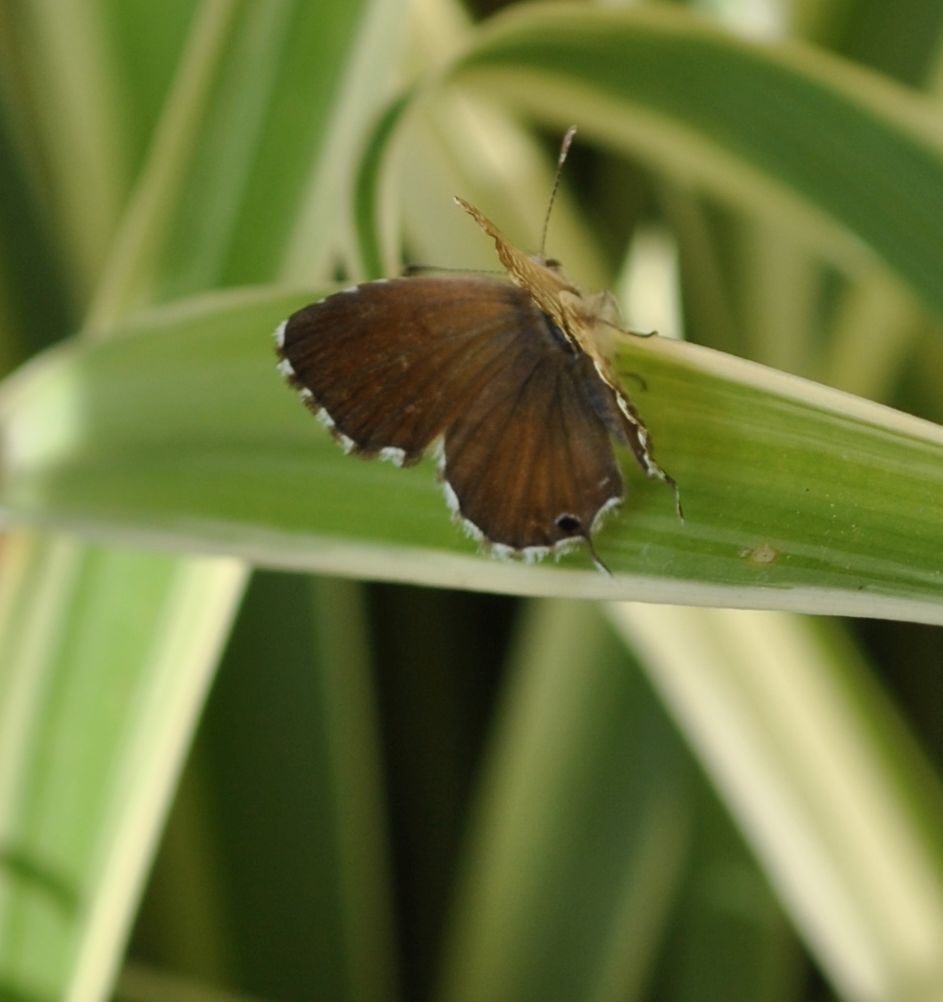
(105, 655)
(259, 133)
(835, 799)
(846, 156)
(91, 750)
(581, 829)
(181, 434)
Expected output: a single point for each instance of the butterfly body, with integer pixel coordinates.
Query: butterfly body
(508, 379)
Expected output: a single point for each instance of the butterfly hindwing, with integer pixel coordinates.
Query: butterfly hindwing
(534, 434)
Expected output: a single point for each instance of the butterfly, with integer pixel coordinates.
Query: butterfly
(508, 378)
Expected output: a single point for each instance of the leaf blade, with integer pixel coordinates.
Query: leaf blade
(797, 496)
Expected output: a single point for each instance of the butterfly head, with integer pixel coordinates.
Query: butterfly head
(541, 277)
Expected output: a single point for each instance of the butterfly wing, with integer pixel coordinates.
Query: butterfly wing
(530, 464)
(393, 366)
(388, 364)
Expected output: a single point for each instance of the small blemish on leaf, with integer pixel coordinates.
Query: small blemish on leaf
(762, 554)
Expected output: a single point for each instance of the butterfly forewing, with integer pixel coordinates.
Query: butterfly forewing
(389, 363)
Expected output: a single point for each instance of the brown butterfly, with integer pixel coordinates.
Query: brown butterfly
(511, 380)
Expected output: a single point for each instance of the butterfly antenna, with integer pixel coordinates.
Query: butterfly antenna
(564, 149)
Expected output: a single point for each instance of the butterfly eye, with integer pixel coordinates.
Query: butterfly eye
(568, 523)
(552, 263)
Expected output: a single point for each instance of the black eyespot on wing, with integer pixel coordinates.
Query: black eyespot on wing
(568, 523)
